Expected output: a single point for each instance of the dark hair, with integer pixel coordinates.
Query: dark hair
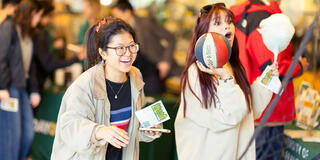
(101, 38)
(123, 5)
(207, 83)
(23, 16)
(47, 7)
(12, 2)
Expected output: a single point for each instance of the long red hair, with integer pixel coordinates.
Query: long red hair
(208, 82)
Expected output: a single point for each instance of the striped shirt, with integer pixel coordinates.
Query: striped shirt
(120, 111)
(121, 117)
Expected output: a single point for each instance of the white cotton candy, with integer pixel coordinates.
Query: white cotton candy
(277, 32)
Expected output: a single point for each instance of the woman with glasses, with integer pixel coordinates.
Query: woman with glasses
(216, 115)
(97, 118)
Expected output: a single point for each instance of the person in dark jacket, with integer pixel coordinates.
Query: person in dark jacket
(44, 59)
(17, 80)
(8, 8)
(157, 46)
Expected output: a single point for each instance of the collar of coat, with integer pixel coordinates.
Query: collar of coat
(100, 90)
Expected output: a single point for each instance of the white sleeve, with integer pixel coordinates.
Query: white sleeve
(230, 110)
(231, 105)
(261, 97)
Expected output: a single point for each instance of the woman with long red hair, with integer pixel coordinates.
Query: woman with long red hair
(216, 115)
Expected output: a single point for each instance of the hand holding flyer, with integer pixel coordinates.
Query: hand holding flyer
(269, 81)
(11, 106)
(152, 115)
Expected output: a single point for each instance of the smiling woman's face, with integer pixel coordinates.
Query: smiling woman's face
(116, 63)
(222, 23)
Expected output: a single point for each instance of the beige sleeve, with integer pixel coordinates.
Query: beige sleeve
(261, 97)
(76, 125)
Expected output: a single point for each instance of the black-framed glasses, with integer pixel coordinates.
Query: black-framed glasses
(121, 50)
(207, 8)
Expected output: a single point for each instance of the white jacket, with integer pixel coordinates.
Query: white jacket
(221, 132)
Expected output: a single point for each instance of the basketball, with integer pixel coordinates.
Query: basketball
(213, 48)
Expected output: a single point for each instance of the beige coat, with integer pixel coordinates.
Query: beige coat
(84, 107)
(221, 132)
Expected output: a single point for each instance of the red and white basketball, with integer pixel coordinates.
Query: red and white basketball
(213, 48)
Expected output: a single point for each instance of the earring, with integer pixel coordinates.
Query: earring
(104, 61)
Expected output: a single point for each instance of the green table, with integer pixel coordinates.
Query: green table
(295, 148)
(45, 118)
(45, 124)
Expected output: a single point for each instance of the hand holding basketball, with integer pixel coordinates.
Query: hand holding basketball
(221, 72)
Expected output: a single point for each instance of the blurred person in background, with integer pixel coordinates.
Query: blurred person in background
(8, 8)
(157, 47)
(18, 80)
(45, 48)
(255, 57)
(91, 12)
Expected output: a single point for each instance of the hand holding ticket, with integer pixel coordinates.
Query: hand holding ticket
(152, 115)
(270, 81)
